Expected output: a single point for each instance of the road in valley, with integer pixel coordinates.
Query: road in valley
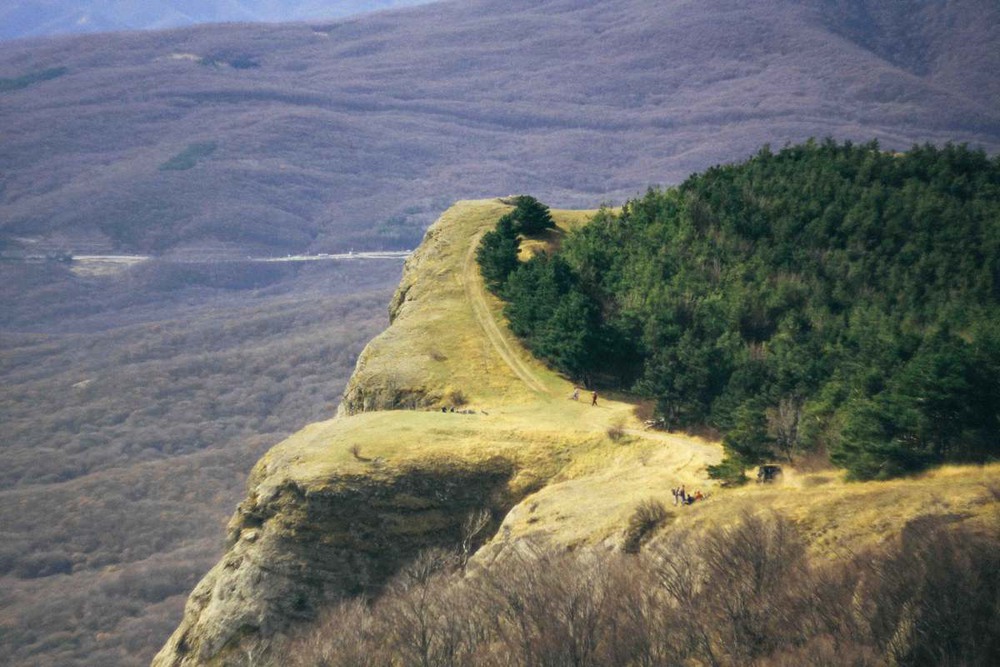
(108, 264)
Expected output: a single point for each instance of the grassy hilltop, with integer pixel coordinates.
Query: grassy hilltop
(342, 505)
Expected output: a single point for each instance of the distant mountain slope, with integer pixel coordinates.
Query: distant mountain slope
(34, 18)
(355, 134)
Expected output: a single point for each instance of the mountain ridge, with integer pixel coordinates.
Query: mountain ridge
(357, 133)
(454, 429)
(435, 407)
(30, 18)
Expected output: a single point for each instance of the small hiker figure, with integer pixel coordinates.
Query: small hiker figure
(576, 394)
(677, 496)
(593, 397)
(682, 494)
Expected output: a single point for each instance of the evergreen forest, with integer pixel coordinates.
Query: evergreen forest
(829, 299)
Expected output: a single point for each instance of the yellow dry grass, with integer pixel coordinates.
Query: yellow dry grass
(578, 485)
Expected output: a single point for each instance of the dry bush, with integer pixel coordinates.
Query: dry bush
(346, 637)
(753, 574)
(553, 608)
(648, 516)
(935, 599)
(616, 431)
(645, 410)
(457, 398)
(474, 532)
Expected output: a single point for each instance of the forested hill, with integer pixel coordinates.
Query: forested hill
(356, 134)
(825, 298)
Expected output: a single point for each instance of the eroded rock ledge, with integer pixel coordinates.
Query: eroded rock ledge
(292, 549)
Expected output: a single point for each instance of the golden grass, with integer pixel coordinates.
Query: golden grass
(841, 517)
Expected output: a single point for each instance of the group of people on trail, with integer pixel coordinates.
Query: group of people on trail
(682, 497)
(576, 395)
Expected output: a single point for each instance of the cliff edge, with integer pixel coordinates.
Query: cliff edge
(447, 417)
(339, 507)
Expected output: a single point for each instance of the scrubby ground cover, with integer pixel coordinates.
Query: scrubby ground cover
(737, 594)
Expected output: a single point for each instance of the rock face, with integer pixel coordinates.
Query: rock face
(370, 392)
(341, 506)
(292, 550)
(303, 538)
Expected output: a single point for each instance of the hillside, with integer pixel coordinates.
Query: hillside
(134, 405)
(827, 298)
(341, 506)
(36, 18)
(129, 397)
(357, 133)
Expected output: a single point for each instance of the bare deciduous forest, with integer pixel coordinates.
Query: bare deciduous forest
(746, 594)
(358, 133)
(131, 418)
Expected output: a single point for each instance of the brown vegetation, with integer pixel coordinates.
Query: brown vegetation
(357, 133)
(130, 426)
(743, 595)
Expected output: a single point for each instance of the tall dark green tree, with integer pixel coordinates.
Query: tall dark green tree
(497, 253)
(532, 216)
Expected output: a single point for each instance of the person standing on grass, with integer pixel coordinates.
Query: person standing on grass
(576, 394)
(593, 397)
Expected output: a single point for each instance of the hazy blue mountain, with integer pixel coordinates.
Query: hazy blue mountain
(33, 18)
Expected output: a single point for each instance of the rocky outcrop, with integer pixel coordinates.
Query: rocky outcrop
(316, 528)
(341, 506)
(371, 391)
(294, 549)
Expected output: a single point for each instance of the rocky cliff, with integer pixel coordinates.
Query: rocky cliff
(444, 417)
(447, 417)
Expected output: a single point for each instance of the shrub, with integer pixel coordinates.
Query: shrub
(648, 516)
(741, 595)
(457, 398)
(616, 431)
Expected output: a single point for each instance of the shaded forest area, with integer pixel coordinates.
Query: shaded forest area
(828, 298)
(133, 407)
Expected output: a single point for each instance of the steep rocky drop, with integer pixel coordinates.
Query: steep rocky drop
(438, 422)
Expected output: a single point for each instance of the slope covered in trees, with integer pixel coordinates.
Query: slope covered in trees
(358, 133)
(829, 297)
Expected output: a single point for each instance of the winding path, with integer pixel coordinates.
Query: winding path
(476, 294)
